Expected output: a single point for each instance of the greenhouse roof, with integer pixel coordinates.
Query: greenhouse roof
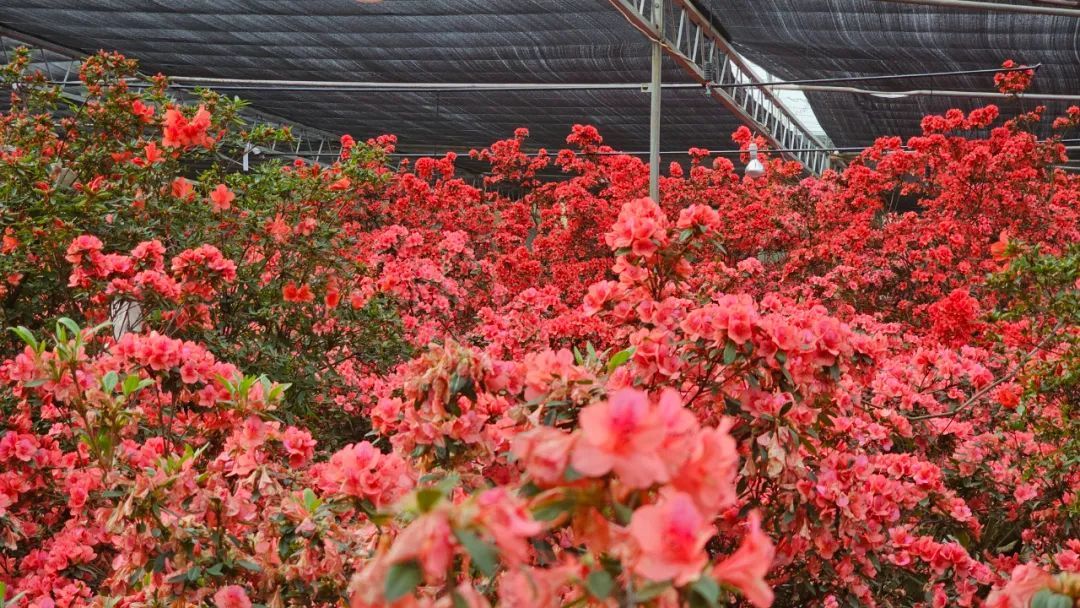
(492, 41)
(800, 39)
(550, 42)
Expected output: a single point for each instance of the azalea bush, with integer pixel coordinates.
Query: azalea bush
(126, 197)
(392, 385)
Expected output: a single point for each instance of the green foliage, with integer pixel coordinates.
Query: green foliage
(72, 173)
(1036, 285)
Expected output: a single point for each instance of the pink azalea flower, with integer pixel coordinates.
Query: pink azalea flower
(746, 568)
(221, 198)
(1025, 582)
(623, 435)
(232, 596)
(429, 541)
(505, 518)
(670, 537)
(545, 453)
(708, 475)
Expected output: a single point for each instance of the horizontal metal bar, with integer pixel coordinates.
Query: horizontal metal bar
(375, 87)
(994, 6)
(232, 83)
(929, 93)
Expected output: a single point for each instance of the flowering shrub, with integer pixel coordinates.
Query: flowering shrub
(131, 196)
(772, 391)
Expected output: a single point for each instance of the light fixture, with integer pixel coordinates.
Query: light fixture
(754, 168)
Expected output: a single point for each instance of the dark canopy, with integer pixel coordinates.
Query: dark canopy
(553, 41)
(798, 39)
(416, 41)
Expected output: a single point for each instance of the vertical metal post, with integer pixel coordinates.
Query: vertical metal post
(654, 110)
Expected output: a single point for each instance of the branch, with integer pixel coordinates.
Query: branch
(986, 389)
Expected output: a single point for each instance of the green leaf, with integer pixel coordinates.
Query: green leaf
(707, 588)
(311, 502)
(278, 390)
(483, 554)
(551, 510)
(459, 602)
(427, 498)
(229, 386)
(190, 576)
(131, 384)
(650, 591)
(1049, 599)
(71, 325)
(599, 584)
(246, 565)
(109, 381)
(731, 350)
(25, 335)
(619, 358)
(401, 580)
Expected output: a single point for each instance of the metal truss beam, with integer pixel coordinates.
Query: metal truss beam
(698, 47)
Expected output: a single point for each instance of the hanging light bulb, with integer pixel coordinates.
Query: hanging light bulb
(754, 168)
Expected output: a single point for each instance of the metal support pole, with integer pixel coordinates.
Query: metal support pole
(654, 109)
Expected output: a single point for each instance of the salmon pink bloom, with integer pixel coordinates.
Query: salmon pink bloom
(708, 475)
(143, 111)
(332, 297)
(1025, 582)
(680, 427)
(746, 568)
(361, 470)
(670, 538)
(232, 596)
(999, 249)
(278, 229)
(221, 198)
(641, 227)
(292, 293)
(10, 241)
(153, 154)
(622, 434)
(504, 517)
(83, 244)
(299, 445)
(599, 293)
(179, 132)
(182, 189)
(545, 453)
(427, 541)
